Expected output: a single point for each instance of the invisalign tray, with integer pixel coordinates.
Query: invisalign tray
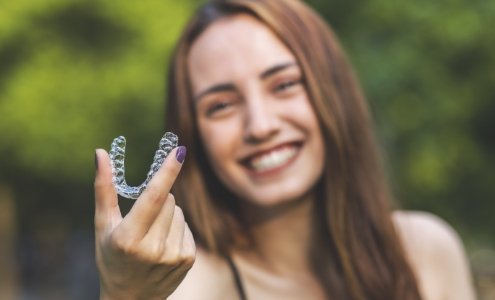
(117, 156)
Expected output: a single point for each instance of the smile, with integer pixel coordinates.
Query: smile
(272, 160)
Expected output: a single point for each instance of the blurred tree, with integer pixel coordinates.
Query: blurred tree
(75, 74)
(427, 69)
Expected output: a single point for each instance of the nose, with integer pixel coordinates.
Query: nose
(261, 122)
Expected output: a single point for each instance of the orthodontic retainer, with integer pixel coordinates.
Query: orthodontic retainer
(117, 156)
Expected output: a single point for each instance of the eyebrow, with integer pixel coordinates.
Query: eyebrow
(227, 87)
(224, 87)
(277, 68)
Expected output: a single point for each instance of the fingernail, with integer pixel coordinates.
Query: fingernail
(181, 154)
(96, 161)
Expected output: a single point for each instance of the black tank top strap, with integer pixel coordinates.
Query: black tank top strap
(237, 278)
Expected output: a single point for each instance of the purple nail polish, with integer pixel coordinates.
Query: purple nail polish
(181, 154)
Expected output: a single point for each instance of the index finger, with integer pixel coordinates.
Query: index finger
(148, 205)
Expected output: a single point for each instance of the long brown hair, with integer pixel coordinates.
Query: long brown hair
(356, 253)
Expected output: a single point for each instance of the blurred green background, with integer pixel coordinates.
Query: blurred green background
(75, 74)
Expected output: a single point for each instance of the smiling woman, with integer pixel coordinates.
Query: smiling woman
(252, 137)
(283, 188)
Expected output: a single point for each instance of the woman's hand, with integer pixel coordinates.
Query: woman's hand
(147, 253)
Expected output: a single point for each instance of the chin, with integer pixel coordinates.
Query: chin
(277, 195)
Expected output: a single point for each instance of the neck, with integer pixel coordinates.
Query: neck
(282, 236)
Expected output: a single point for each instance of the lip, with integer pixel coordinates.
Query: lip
(245, 161)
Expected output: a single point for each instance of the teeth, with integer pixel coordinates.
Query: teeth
(272, 159)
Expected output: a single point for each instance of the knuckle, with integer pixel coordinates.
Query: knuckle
(154, 253)
(98, 183)
(188, 259)
(170, 259)
(171, 198)
(152, 193)
(171, 170)
(171, 256)
(178, 213)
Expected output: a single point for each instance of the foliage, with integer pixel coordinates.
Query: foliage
(427, 69)
(75, 74)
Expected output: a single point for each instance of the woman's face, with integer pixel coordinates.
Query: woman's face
(255, 120)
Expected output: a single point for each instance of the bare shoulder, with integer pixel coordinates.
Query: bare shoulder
(436, 254)
(416, 226)
(209, 278)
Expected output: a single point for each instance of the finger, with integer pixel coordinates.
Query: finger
(159, 229)
(165, 177)
(188, 244)
(107, 211)
(175, 238)
(147, 207)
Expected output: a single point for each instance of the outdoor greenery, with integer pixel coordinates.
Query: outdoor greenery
(427, 69)
(76, 74)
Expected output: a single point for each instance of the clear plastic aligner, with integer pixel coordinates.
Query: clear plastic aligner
(117, 155)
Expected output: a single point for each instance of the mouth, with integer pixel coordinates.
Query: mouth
(272, 160)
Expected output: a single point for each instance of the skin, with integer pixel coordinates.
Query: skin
(254, 113)
(433, 249)
(437, 256)
(245, 102)
(146, 254)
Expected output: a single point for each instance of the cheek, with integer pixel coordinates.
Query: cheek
(305, 116)
(219, 139)
(307, 119)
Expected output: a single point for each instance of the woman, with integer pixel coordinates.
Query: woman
(282, 190)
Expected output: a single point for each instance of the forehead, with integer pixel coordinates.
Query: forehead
(235, 47)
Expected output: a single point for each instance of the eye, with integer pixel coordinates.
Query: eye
(286, 85)
(217, 107)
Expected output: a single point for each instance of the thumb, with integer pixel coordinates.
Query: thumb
(107, 211)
